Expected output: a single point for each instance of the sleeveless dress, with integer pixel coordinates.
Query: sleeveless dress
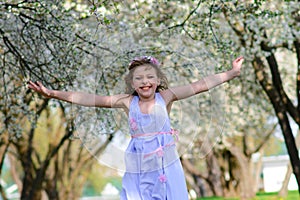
(153, 168)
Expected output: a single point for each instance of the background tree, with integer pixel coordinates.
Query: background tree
(266, 38)
(87, 45)
(39, 42)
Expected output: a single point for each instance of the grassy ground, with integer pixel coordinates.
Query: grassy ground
(293, 195)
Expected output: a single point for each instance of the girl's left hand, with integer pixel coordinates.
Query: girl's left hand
(40, 88)
(237, 65)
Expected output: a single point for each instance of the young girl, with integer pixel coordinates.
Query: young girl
(153, 168)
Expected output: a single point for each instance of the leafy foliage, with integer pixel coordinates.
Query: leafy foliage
(87, 45)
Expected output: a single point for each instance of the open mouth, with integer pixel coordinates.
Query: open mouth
(145, 87)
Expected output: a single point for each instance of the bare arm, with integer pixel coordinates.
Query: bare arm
(81, 98)
(205, 84)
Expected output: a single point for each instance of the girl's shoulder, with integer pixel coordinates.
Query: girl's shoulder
(167, 98)
(126, 99)
(122, 101)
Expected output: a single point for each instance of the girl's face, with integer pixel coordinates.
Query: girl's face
(145, 81)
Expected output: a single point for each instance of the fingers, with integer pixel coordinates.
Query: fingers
(40, 85)
(37, 86)
(239, 59)
(237, 63)
(31, 85)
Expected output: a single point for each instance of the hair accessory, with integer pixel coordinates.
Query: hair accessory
(149, 59)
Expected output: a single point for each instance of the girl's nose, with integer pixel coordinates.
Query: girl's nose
(145, 80)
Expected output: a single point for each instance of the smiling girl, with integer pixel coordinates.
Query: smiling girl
(153, 168)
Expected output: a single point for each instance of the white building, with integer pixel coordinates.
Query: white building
(274, 170)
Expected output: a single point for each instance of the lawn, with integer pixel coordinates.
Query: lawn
(292, 195)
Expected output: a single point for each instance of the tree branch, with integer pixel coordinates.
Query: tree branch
(277, 82)
(192, 169)
(239, 31)
(188, 17)
(18, 5)
(265, 139)
(297, 47)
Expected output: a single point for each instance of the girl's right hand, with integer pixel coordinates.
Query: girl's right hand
(237, 65)
(40, 88)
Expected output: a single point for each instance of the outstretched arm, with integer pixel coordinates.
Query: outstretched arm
(205, 84)
(81, 98)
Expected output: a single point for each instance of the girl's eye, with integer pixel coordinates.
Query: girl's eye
(137, 78)
(150, 76)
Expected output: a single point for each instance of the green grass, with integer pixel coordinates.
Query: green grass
(292, 195)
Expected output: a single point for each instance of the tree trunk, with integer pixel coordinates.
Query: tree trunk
(226, 179)
(212, 179)
(4, 144)
(242, 172)
(246, 178)
(258, 170)
(192, 184)
(284, 189)
(214, 174)
(281, 113)
(14, 172)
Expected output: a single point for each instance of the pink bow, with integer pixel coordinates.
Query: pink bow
(162, 178)
(175, 134)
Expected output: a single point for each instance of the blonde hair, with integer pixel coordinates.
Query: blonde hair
(145, 60)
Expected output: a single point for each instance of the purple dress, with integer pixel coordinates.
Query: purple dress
(153, 168)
